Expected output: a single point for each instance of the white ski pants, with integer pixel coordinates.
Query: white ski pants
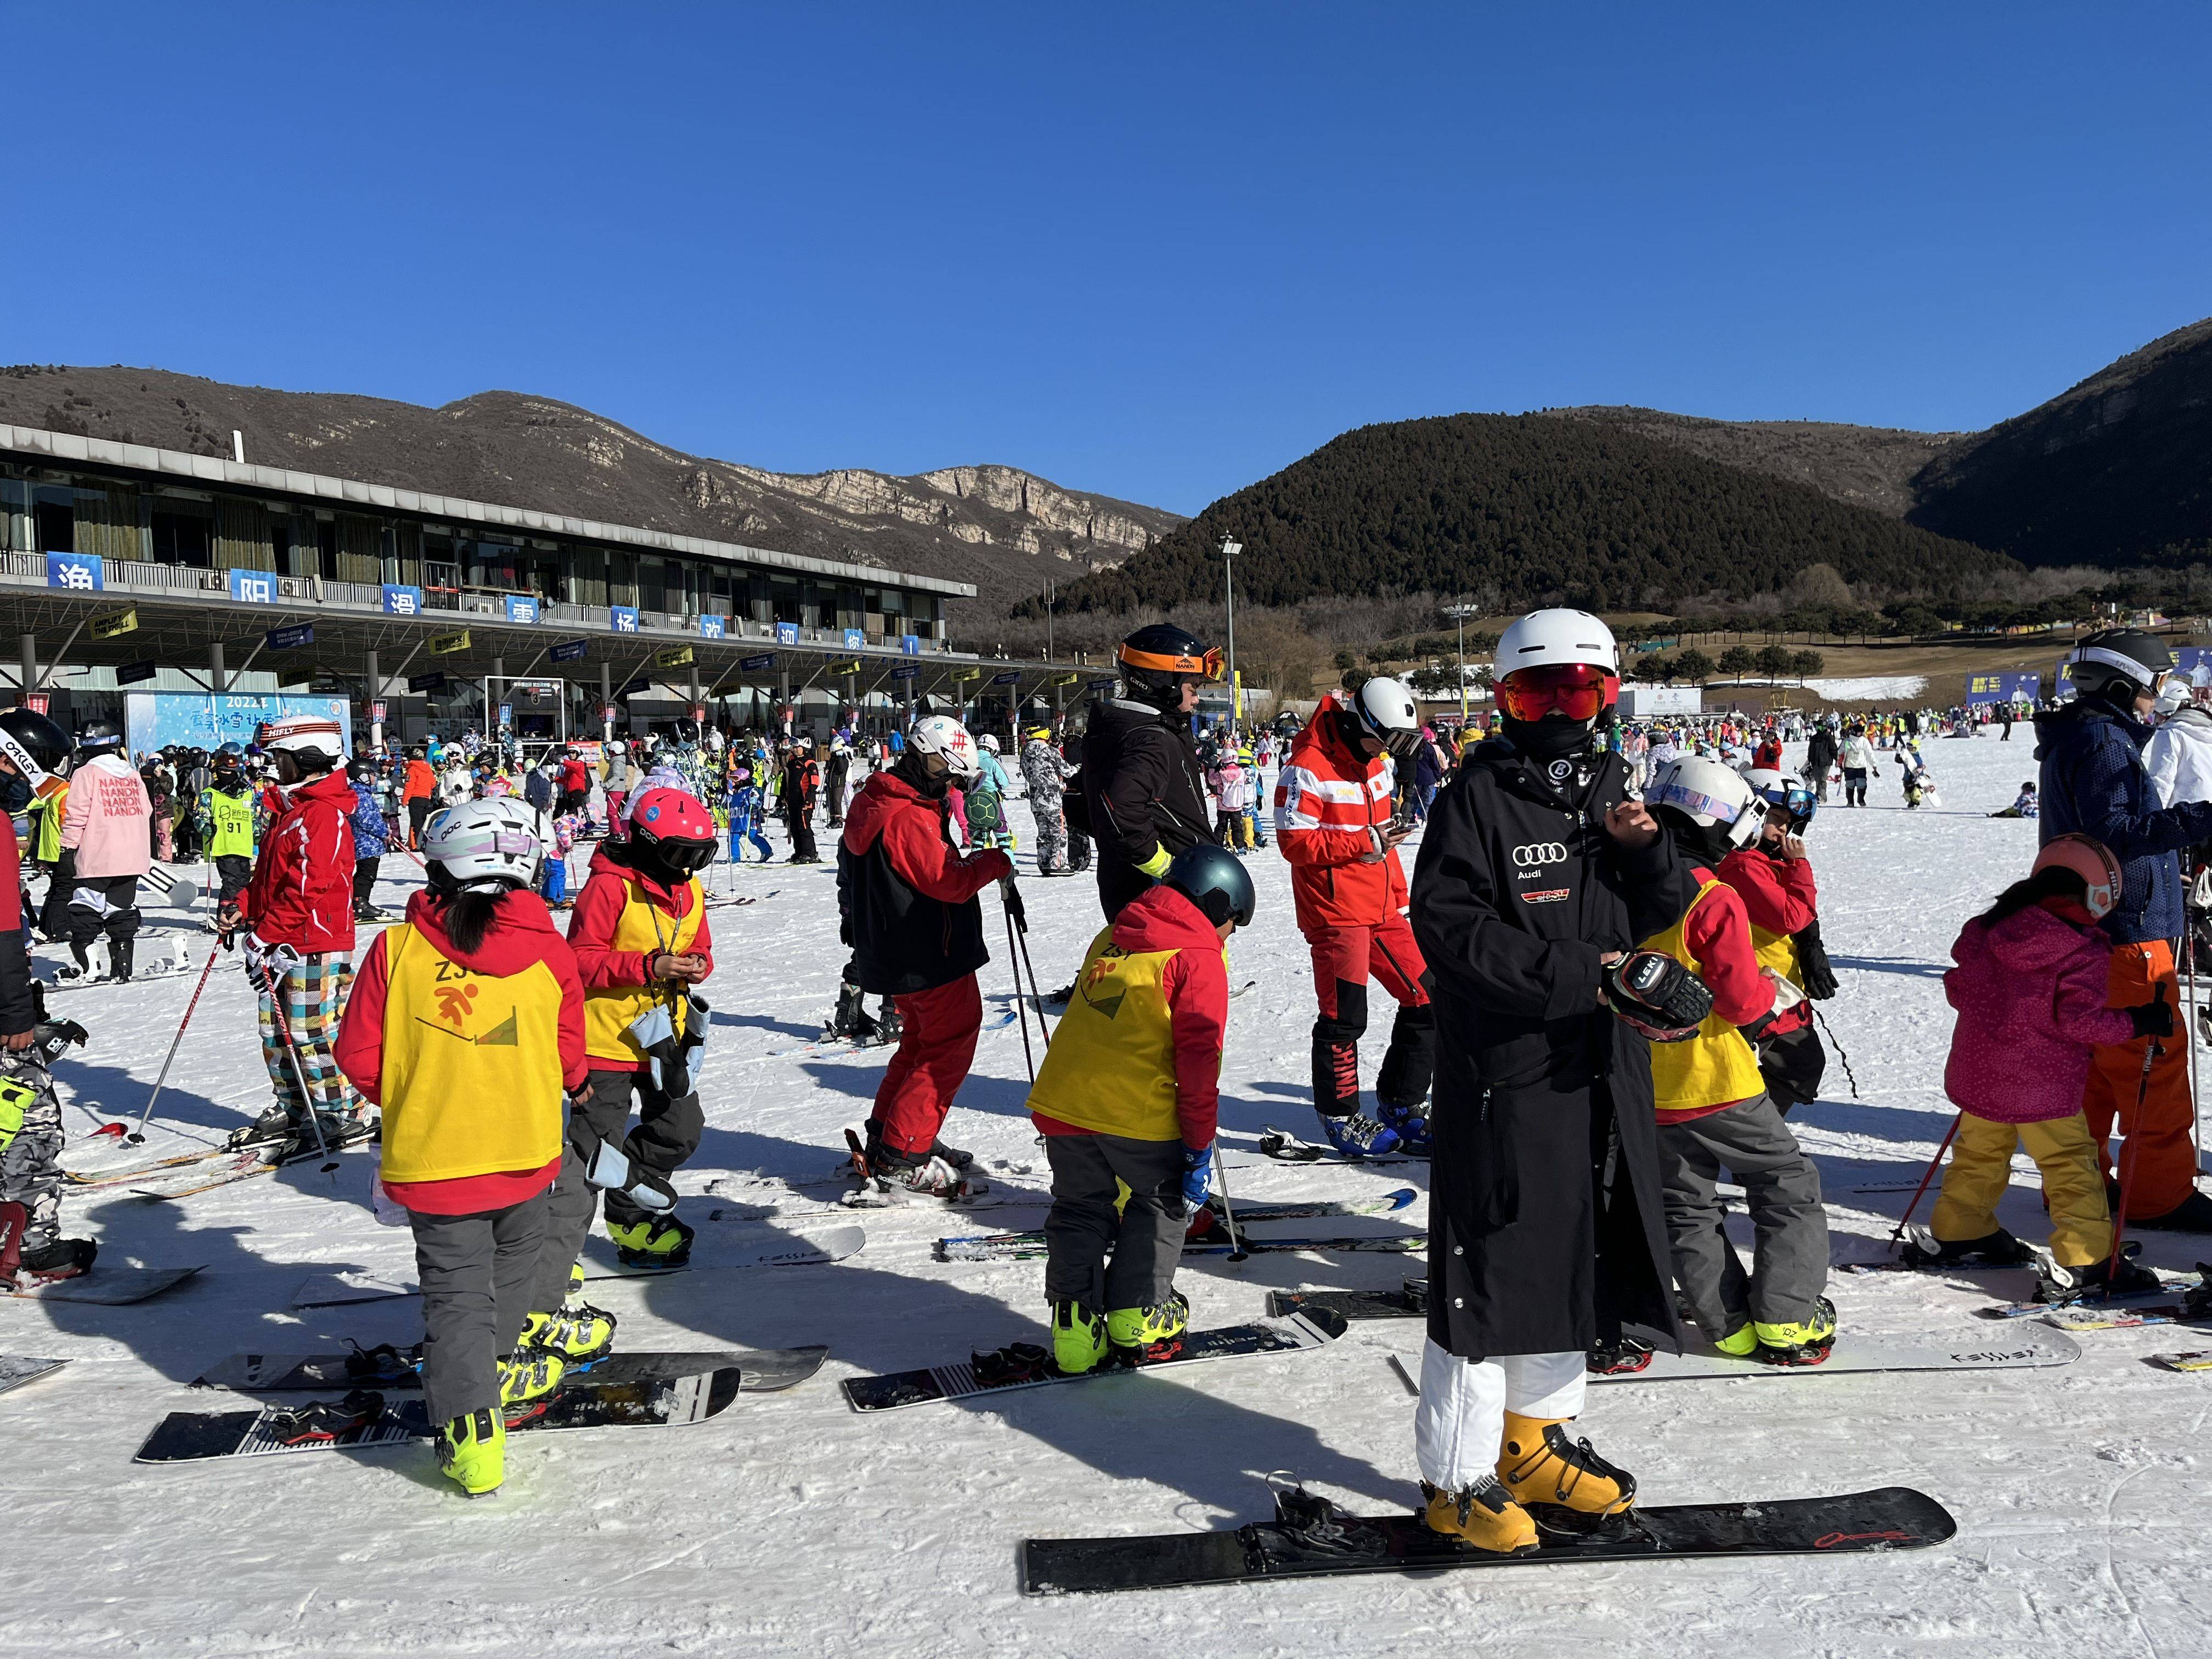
(1460, 1424)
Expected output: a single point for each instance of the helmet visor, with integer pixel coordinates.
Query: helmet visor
(1581, 691)
(688, 856)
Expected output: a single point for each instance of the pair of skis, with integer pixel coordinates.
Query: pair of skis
(1208, 1236)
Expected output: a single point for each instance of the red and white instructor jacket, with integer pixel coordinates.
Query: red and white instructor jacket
(301, 891)
(1332, 807)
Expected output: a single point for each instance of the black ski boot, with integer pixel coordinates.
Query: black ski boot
(275, 1124)
(2192, 1215)
(1997, 1249)
(119, 953)
(891, 1026)
(2100, 1281)
(79, 967)
(59, 1258)
(850, 1021)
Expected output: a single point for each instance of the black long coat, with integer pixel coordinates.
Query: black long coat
(1547, 1226)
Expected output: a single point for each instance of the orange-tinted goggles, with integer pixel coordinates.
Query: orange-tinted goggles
(1579, 690)
(1207, 668)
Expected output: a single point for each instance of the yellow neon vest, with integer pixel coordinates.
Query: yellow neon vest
(47, 846)
(1716, 1067)
(471, 1065)
(1111, 1067)
(609, 1012)
(230, 822)
(1777, 952)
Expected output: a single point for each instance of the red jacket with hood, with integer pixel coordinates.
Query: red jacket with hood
(301, 891)
(1778, 895)
(1329, 801)
(591, 924)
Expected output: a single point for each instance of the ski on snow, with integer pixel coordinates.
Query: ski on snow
(1310, 1537)
(1206, 1227)
(1026, 1365)
(762, 1370)
(113, 1287)
(16, 1369)
(1286, 1148)
(656, 1403)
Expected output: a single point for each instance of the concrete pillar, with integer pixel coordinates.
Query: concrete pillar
(373, 680)
(216, 674)
(783, 694)
(606, 703)
(28, 644)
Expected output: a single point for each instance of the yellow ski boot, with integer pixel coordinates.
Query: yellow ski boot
(1739, 1344)
(526, 1376)
(472, 1452)
(1563, 1484)
(1483, 1515)
(577, 1332)
(1803, 1344)
(660, 1241)
(1145, 1336)
(1079, 1338)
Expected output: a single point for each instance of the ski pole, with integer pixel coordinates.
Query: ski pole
(2128, 1158)
(1236, 1250)
(1021, 1008)
(1897, 1234)
(299, 1070)
(1022, 940)
(2188, 1031)
(138, 1136)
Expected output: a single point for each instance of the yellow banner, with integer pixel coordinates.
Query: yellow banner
(681, 656)
(114, 623)
(446, 644)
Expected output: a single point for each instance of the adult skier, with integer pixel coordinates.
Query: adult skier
(1335, 818)
(802, 781)
(1046, 774)
(34, 765)
(2093, 783)
(296, 917)
(1536, 876)
(1857, 757)
(917, 933)
(107, 846)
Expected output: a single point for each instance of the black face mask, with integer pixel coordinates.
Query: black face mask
(14, 793)
(1552, 738)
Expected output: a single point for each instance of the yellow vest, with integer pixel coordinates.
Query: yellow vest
(46, 845)
(609, 1012)
(471, 1065)
(1717, 1067)
(1111, 1067)
(1777, 952)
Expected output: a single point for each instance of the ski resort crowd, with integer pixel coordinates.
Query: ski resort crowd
(1603, 972)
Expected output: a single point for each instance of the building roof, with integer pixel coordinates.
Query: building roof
(354, 492)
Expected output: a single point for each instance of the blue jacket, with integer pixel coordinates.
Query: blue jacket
(2094, 784)
(369, 832)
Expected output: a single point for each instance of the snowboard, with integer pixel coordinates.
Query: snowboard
(1410, 1303)
(896, 1389)
(657, 1403)
(763, 1370)
(2167, 1287)
(113, 1287)
(2196, 1360)
(1286, 1148)
(1208, 1227)
(2082, 1317)
(337, 1290)
(1310, 1537)
(16, 1369)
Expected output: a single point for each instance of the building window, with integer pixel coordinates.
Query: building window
(182, 539)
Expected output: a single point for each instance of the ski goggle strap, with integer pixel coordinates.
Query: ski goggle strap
(1581, 691)
(1207, 668)
(45, 785)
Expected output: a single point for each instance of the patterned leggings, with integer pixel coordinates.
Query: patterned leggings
(314, 995)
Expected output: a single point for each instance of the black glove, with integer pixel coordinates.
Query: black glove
(1813, 963)
(2153, 1019)
(1657, 995)
(1013, 895)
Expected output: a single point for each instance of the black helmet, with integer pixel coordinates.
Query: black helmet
(37, 754)
(226, 762)
(2125, 654)
(1159, 657)
(98, 735)
(1215, 880)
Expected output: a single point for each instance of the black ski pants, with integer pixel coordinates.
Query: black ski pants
(667, 1133)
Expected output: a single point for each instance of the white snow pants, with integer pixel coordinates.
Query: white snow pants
(1460, 1424)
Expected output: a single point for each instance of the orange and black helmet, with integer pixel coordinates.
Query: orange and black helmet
(1162, 648)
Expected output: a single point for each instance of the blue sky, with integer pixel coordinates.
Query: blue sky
(1156, 251)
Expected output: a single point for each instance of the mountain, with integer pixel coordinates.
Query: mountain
(1524, 508)
(1004, 530)
(2116, 471)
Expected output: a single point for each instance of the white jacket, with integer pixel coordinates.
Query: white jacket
(1856, 756)
(2179, 757)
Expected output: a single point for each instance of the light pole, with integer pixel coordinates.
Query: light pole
(1231, 547)
(1048, 621)
(1460, 613)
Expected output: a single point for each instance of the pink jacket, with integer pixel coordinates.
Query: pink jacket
(106, 819)
(2030, 993)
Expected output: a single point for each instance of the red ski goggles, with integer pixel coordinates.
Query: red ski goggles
(1579, 690)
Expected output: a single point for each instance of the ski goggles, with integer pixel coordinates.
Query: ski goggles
(1797, 800)
(1207, 668)
(44, 785)
(1581, 691)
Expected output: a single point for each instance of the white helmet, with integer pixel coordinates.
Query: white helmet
(1709, 794)
(311, 740)
(940, 734)
(989, 742)
(1386, 709)
(1543, 637)
(487, 843)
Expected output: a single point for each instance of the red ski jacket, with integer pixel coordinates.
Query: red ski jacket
(1328, 801)
(301, 891)
(1779, 897)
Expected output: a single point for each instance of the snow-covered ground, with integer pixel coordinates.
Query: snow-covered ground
(790, 1525)
(1899, 686)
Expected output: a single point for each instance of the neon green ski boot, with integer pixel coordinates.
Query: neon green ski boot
(472, 1452)
(576, 1333)
(1079, 1338)
(1145, 1336)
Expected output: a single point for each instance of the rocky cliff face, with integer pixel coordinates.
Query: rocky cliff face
(1003, 529)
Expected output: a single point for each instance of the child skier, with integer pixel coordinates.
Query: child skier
(2031, 987)
(1774, 879)
(1231, 784)
(466, 1023)
(986, 798)
(1713, 1108)
(1125, 1100)
(642, 941)
(746, 812)
(226, 809)
(371, 832)
(2023, 804)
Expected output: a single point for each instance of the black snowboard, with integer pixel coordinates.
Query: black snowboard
(668, 1402)
(1410, 1303)
(1310, 1537)
(765, 1370)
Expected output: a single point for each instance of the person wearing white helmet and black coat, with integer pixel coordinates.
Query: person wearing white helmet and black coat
(1537, 875)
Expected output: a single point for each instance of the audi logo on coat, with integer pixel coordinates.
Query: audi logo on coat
(1539, 852)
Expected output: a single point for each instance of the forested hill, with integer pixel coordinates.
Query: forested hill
(1526, 509)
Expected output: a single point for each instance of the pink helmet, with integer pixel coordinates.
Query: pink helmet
(2092, 861)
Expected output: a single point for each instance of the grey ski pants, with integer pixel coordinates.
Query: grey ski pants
(1144, 1240)
(1783, 1191)
(668, 1132)
(478, 1271)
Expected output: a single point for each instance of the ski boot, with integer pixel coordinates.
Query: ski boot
(119, 954)
(887, 1171)
(850, 1021)
(1740, 1343)
(579, 1335)
(1409, 1123)
(1482, 1515)
(1355, 1136)
(1059, 998)
(1145, 1336)
(274, 1124)
(2192, 1215)
(890, 1025)
(472, 1452)
(526, 1376)
(657, 1243)
(1565, 1485)
(322, 1420)
(953, 1155)
(1079, 1338)
(1997, 1249)
(1618, 1357)
(1805, 1343)
(2097, 1281)
(59, 1258)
